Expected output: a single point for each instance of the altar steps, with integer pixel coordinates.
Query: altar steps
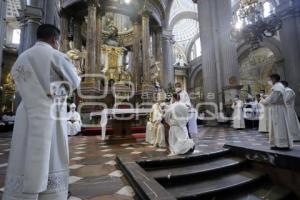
(196, 169)
(213, 176)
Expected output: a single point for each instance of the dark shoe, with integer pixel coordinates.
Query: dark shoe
(69, 194)
(281, 148)
(191, 150)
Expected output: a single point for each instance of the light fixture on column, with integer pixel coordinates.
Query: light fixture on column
(127, 1)
(254, 20)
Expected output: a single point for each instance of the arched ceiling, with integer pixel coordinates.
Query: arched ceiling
(180, 6)
(183, 21)
(185, 29)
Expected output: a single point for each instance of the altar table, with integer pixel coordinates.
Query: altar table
(112, 112)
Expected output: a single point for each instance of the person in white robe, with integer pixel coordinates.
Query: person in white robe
(280, 135)
(74, 121)
(192, 124)
(294, 124)
(158, 129)
(238, 114)
(177, 118)
(185, 99)
(149, 126)
(263, 124)
(38, 166)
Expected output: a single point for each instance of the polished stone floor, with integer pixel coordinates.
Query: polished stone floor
(95, 176)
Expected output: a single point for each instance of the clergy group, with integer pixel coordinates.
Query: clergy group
(275, 114)
(172, 123)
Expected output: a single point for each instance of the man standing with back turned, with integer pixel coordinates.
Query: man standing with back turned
(38, 163)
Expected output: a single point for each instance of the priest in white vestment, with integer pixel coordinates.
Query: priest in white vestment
(193, 127)
(293, 121)
(263, 111)
(185, 99)
(74, 121)
(149, 136)
(158, 129)
(177, 118)
(38, 166)
(280, 135)
(238, 114)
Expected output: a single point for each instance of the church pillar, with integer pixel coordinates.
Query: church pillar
(220, 60)
(77, 34)
(64, 41)
(99, 41)
(2, 32)
(210, 80)
(31, 18)
(51, 13)
(91, 36)
(137, 52)
(146, 45)
(153, 36)
(158, 52)
(290, 41)
(229, 58)
(167, 69)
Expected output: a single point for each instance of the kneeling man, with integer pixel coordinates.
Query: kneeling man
(74, 121)
(177, 118)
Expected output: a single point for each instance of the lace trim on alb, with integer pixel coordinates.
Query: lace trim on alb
(57, 182)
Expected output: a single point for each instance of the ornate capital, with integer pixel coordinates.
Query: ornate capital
(31, 14)
(157, 28)
(146, 13)
(136, 19)
(93, 3)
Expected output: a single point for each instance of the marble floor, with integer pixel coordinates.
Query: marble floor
(93, 171)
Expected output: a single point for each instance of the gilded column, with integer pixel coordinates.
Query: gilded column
(146, 45)
(290, 41)
(99, 40)
(137, 52)
(77, 34)
(64, 41)
(91, 36)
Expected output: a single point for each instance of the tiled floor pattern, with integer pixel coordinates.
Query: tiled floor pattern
(93, 171)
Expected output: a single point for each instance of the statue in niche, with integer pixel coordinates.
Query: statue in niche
(114, 54)
(156, 74)
(180, 61)
(113, 32)
(125, 75)
(78, 58)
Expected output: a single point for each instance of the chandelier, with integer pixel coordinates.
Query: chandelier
(254, 20)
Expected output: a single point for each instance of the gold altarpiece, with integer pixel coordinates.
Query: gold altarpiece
(113, 63)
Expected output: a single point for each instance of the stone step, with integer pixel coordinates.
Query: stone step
(155, 164)
(196, 169)
(265, 190)
(190, 188)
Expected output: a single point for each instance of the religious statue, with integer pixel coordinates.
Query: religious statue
(125, 75)
(113, 54)
(78, 58)
(155, 73)
(113, 33)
